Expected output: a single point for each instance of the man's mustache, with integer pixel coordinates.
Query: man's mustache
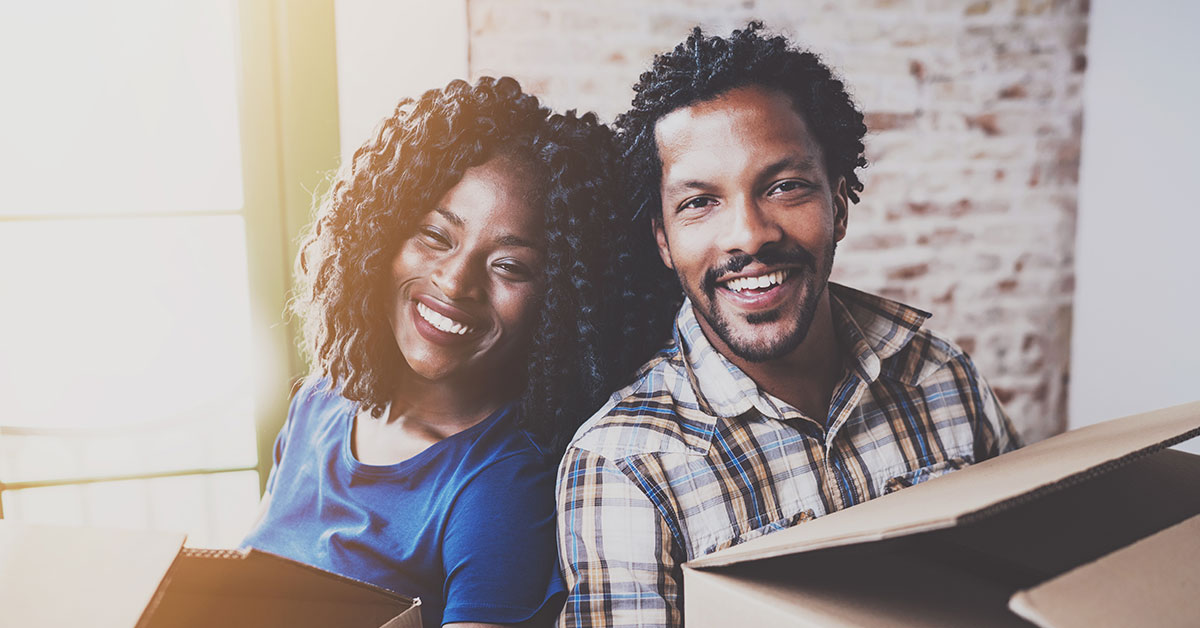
(790, 256)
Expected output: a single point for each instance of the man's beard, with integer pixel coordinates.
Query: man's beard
(805, 269)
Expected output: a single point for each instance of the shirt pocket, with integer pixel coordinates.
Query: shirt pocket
(926, 473)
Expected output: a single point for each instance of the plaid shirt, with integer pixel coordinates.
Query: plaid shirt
(693, 457)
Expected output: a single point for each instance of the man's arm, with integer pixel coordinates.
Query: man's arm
(619, 557)
(994, 433)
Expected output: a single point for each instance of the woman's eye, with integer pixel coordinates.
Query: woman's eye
(700, 202)
(434, 238)
(513, 269)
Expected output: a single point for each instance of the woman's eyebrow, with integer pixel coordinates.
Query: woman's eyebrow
(509, 239)
(451, 217)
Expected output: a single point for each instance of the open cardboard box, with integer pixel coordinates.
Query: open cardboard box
(60, 577)
(1095, 527)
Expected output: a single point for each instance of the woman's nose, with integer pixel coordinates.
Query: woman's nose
(456, 278)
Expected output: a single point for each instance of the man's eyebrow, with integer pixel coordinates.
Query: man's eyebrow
(802, 164)
(451, 217)
(516, 240)
(792, 162)
(692, 184)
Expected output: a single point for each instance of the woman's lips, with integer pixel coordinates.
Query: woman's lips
(442, 324)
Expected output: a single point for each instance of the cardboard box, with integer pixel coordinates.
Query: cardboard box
(1095, 527)
(59, 577)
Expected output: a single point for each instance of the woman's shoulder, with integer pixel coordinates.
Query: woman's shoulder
(502, 457)
(517, 480)
(317, 391)
(315, 400)
(502, 439)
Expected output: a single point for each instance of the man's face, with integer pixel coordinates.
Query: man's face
(750, 219)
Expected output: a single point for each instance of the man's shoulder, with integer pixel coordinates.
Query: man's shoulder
(643, 417)
(926, 354)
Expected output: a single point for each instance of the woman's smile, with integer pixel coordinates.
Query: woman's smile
(441, 323)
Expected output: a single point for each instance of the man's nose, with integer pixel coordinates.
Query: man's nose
(749, 228)
(456, 277)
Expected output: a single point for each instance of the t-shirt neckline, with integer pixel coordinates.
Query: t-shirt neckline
(358, 467)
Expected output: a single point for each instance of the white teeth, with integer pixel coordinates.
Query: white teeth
(441, 322)
(761, 281)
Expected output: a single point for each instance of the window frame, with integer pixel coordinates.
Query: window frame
(288, 130)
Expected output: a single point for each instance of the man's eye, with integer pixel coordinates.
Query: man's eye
(790, 185)
(700, 202)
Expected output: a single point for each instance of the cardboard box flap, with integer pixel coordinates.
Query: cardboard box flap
(1155, 581)
(967, 575)
(253, 588)
(979, 490)
(59, 576)
(822, 589)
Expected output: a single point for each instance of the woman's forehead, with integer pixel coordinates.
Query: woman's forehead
(496, 196)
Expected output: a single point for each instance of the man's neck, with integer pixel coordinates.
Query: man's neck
(804, 378)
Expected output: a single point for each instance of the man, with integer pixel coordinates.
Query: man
(782, 397)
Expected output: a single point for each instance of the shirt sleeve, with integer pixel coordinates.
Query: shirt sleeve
(498, 550)
(994, 433)
(619, 555)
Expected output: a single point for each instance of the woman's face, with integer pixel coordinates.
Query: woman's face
(468, 283)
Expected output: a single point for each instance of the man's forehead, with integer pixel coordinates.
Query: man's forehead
(750, 123)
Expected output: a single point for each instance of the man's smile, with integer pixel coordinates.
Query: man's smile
(756, 283)
(759, 291)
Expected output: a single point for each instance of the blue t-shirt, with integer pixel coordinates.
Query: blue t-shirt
(466, 525)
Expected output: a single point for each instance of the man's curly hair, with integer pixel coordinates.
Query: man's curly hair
(415, 156)
(703, 68)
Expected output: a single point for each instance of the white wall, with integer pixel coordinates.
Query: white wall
(390, 49)
(1136, 339)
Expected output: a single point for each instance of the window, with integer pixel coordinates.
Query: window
(159, 162)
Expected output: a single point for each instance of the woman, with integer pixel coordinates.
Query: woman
(451, 294)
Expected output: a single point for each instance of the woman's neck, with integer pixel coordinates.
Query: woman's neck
(445, 407)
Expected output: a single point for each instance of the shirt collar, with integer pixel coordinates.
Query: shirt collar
(870, 329)
(721, 388)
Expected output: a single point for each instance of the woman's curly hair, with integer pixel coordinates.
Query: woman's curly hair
(415, 156)
(703, 67)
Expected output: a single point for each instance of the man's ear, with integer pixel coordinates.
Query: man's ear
(841, 209)
(660, 236)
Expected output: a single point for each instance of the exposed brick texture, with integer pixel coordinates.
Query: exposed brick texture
(975, 112)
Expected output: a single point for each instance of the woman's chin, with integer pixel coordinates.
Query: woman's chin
(433, 372)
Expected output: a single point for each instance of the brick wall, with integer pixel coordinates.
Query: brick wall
(975, 111)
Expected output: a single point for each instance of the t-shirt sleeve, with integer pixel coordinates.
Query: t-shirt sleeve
(297, 406)
(499, 548)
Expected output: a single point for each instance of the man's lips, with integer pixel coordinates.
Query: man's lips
(755, 280)
(759, 289)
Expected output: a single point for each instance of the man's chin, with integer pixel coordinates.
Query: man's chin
(753, 339)
(764, 347)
